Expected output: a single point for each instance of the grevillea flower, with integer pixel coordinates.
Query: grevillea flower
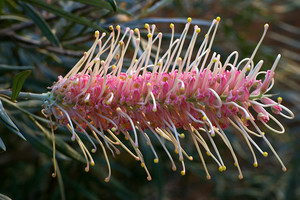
(185, 87)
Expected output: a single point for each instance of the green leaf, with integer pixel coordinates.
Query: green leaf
(61, 145)
(8, 122)
(60, 183)
(67, 150)
(113, 5)
(38, 142)
(1, 6)
(13, 17)
(6, 68)
(41, 23)
(2, 145)
(97, 3)
(4, 197)
(60, 12)
(18, 82)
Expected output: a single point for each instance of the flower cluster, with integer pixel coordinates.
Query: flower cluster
(160, 92)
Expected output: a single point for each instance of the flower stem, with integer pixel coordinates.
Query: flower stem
(27, 95)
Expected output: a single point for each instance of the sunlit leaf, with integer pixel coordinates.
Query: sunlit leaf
(13, 17)
(18, 82)
(8, 122)
(40, 23)
(2, 145)
(4, 197)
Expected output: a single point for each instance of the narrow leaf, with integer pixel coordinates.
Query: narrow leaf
(41, 23)
(6, 68)
(18, 82)
(4, 197)
(8, 122)
(61, 145)
(113, 5)
(2, 145)
(60, 183)
(96, 3)
(1, 6)
(62, 13)
(13, 17)
(38, 142)
(67, 150)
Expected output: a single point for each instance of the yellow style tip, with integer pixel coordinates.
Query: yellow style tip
(266, 25)
(97, 33)
(220, 168)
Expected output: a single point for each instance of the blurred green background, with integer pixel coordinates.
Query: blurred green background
(49, 36)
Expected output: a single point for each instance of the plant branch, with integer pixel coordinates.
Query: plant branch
(29, 43)
(27, 95)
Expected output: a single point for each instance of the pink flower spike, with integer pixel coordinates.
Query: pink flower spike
(157, 93)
